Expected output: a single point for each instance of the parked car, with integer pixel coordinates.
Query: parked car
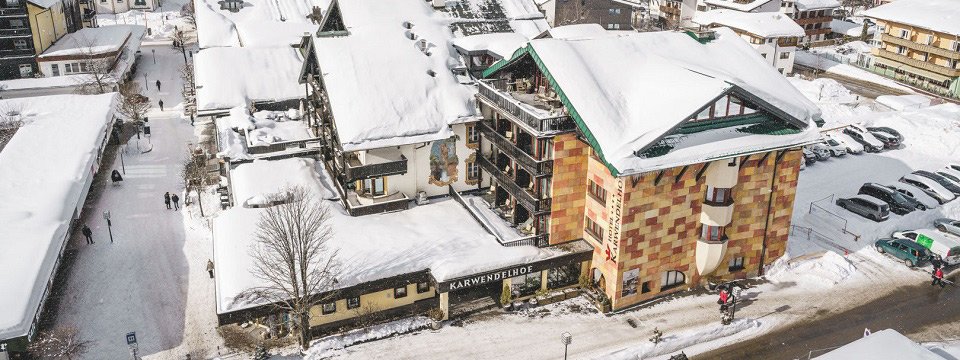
(809, 157)
(945, 246)
(899, 204)
(848, 143)
(869, 142)
(887, 130)
(930, 187)
(889, 141)
(949, 226)
(950, 174)
(835, 148)
(821, 151)
(954, 167)
(943, 181)
(909, 251)
(866, 206)
(915, 193)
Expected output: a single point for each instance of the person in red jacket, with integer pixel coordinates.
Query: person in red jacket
(937, 277)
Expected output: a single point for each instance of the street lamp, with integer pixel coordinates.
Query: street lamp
(566, 339)
(106, 216)
(154, 56)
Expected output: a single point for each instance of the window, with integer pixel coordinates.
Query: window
(13, 3)
(83, 67)
(630, 279)
(525, 285)
(473, 136)
(901, 50)
(712, 233)
(400, 292)
(735, 264)
(647, 285)
(563, 276)
(904, 34)
(672, 279)
(609, 26)
(594, 229)
(353, 303)
(372, 187)
(473, 171)
(717, 195)
(423, 287)
(784, 55)
(929, 39)
(616, 26)
(55, 70)
(329, 308)
(20, 44)
(26, 70)
(597, 192)
(16, 23)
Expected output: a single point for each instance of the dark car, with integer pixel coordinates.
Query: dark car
(889, 141)
(899, 204)
(866, 206)
(911, 252)
(887, 130)
(868, 145)
(946, 183)
(809, 157)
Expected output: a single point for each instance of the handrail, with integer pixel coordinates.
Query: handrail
(537, 206)
(537, 167)
(540, 123)
(533, 240)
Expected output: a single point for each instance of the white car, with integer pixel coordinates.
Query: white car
(847, 142)
(916, 193)
(930, 187)
(835, 148)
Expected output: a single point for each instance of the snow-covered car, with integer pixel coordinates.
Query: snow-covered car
(950, 174)
(821, 151)
(887, 130)
(848, 143)
(915, 193)
(869, 142)
(954, 166)
(809, 157)
(949, 226)
(889, 141)
(835, 147)
(946, 246)
(954, 187)
(930, 187)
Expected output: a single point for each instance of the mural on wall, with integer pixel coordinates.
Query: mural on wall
(443, 162)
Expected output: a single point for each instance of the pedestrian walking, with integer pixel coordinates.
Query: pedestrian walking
(210, 268)
(88, 234)
(176, 202)
(161, 105)
(166, 199)
(158, 85)
(937, 277)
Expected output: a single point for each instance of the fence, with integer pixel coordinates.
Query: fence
(814, 235)
(828, 216)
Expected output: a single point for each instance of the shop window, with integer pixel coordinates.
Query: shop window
(423, 287)
(672, 279)
(597, 192)
(735, 264)
(563, 276)
(330, 308)
(353, 303)
(400, 292)
(594, 229)
(525, 285)
(647, 285)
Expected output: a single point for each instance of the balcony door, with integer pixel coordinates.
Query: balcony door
(373, 187)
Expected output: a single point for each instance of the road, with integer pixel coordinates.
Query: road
(910, 310)
(863, 88)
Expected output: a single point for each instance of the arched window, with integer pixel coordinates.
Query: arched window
(672, 279)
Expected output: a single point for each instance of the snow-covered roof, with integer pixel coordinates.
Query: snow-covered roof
(631, 89)
(849, 28)
(737, 4)
(884, 344)
(937, 15)
(379, 82)
(91, 41)
(804, 5)
(254, 182)
(230, 77)
(576, 31)
(44, 172)
(441, 237)
(502, 44)
(765, 24)
(260, 23)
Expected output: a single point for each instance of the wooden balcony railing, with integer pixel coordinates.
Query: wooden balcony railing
(542, 240)
(942, 70)
(920, 47)
(534, 166)
(525, 198)
(356, 171)
(490, 93)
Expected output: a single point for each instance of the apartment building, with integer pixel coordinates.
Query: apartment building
(919, 44)
(28, 28)
(611, 14)
(774, 35)
(813, 15)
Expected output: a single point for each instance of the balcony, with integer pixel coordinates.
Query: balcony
(376, 163)
(523, 196)
(813, 20)
(534, 166)
(536, 111)
(16, 53)
(716, 214)
(11, 11)
(937, 69)
(20, 32)
(920, 47)
(358, 205)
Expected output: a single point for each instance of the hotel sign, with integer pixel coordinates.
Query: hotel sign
(490, 277)
(614, 218)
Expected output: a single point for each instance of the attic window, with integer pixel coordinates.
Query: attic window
(332, 22)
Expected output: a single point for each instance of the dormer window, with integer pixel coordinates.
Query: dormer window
(231, 5)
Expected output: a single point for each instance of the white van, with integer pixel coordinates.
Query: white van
(947, 246)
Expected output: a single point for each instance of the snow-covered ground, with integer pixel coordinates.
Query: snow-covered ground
(812, 59)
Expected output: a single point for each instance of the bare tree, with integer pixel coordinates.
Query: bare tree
(97, 71)
(194, 175)
(571, 12)
(133, 105)
(188, 13)
(59, 343)
(292, 257)
(180, 42)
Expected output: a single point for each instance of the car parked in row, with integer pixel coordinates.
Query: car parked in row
(809, 157)
(866, 206)
(955, 167)
(889, 141)
(833, 147)
(887, 130)
(929, 187)
(915, 193)
(910, 252)
(950, 174)
(869, 142)
(947, 247)
(940, 179)
(949, 226)
(898, 203)
(848, 143)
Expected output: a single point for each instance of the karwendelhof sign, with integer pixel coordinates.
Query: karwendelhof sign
(491, 277)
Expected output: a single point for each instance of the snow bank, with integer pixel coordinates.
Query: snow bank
(673, 343)
(328, 347)
(823, 270)
(45, 172)
(231, 77)
(762, 24)
(260, 179)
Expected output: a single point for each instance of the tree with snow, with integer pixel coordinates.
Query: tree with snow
(292, 257)
(60, 343)
(188, 13)
(572, 12)
(194, 175)
(133, 105)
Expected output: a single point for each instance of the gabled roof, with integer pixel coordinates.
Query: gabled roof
(804, 5)
(627, 92)
(765, 24)
(259, 23)
(884, 344)
(937, 15)
(738, 5)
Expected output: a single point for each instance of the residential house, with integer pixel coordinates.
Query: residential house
(28, 28)
(813, 15)
(121, 6)
(676, 14)
(676, 157)
(917, 48)
(773, 34)
(753, 6)
(611, 14)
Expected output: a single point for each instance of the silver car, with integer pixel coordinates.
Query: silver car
(949, 226)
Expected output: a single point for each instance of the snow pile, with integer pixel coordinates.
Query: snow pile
(231, 77)
(766, 24)
(884, 344)
(253, 183)
(850, 28)
(823, 270)
(275, 126)
(684, 340)
(823, 90)
(939, 15)
(904, 102)
(329, 346)
(804, 5)
(45, 172)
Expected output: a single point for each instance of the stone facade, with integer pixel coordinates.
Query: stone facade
(568, 188)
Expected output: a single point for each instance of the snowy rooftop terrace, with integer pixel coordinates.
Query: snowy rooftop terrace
(231, 77)
(760, 24)
(937, 15)
(441, 237)
(45, 171)
(242, 136)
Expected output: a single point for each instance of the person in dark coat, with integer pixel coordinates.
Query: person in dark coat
(176, 201)
(161, 105)
(938, 277)
(158, 85)
(210, 268)
(166, 199)
(87, 234)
